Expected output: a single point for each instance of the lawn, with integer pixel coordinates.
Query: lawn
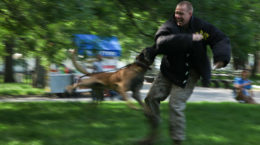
(113, 123)
(19, 89)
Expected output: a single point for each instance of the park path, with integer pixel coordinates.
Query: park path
(200, 94)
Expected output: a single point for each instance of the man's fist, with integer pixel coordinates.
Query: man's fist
(197, 37)
(217, 65)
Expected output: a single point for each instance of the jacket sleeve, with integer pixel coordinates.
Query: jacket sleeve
(219, 43)
(167, 41)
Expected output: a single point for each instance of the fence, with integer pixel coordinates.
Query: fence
(223, 79)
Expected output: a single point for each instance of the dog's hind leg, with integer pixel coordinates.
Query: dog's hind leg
(85, 83)
(71, 88)
(97, 92)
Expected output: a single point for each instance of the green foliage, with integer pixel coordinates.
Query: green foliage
(45, 28)
(110, 123)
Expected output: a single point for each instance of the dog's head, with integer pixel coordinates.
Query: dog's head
(147, 56)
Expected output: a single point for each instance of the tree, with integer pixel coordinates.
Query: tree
(10, 21)
(44, 29)
(34, 28)
(9, 45)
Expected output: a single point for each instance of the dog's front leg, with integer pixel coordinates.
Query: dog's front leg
(129, 104)
(136, 96)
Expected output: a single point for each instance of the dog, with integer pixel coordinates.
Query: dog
(128, 78)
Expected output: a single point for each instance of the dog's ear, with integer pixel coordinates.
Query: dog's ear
(150, 53)
(147, 55)
(140, 56)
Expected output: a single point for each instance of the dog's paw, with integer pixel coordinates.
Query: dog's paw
(134, 107)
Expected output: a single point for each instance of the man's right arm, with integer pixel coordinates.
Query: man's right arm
(236, 83)
(167, 42)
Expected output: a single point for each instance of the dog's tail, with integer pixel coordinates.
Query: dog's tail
(77, 66)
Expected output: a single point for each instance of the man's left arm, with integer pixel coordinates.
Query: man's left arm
(220, 45)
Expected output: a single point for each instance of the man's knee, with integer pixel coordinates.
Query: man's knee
(148, 99)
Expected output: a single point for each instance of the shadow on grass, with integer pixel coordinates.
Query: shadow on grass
(223, 124)
(68, 123)
(50, 123)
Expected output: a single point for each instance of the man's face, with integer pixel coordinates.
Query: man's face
(182, 15)
(245, 74)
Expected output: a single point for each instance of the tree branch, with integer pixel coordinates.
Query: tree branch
(131, 18)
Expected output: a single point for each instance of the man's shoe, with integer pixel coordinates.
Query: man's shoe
(150, 139)
(145, 141)
(177, 142)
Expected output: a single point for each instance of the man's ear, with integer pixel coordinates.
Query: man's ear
(190, 13)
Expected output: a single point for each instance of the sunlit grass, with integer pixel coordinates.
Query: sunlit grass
(113, 123)
(19, 89)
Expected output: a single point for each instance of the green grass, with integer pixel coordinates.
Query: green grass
(19, 89)
(54, 123)
(26, 78)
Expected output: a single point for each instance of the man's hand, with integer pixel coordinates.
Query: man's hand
(217, 65)
(197, 37)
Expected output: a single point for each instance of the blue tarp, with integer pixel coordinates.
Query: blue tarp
(89, 44)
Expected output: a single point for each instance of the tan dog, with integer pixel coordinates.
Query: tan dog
(129, 78)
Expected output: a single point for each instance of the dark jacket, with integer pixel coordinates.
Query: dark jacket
(181, 54)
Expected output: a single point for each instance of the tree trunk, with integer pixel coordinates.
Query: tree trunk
(39, 80)
(239, 63)
(256, 64)
(8, 61)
